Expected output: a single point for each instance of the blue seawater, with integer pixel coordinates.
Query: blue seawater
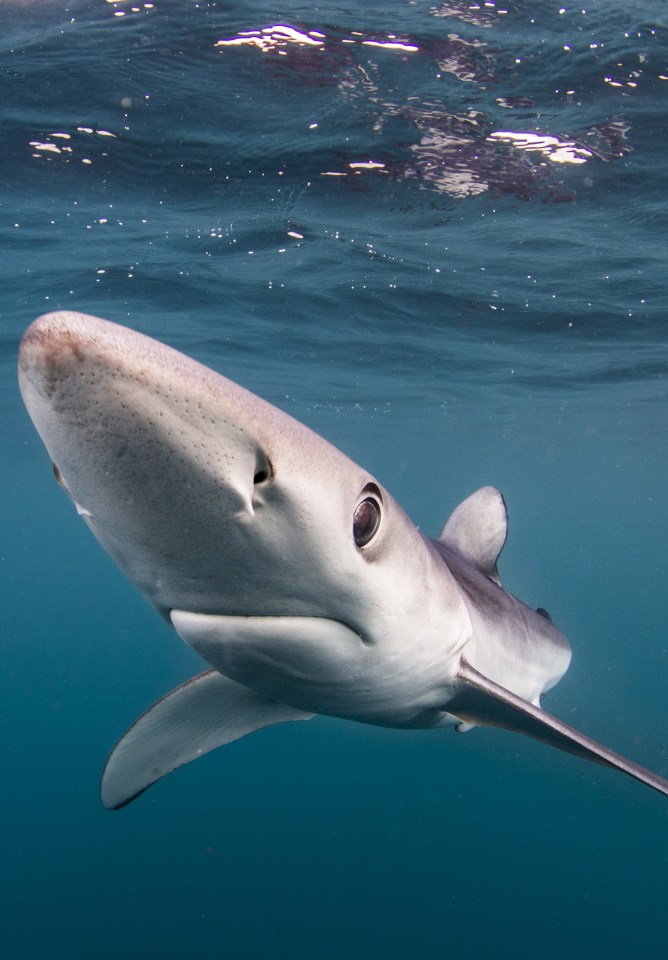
(436, 233)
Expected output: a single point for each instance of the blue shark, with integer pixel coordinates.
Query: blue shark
(290, 570)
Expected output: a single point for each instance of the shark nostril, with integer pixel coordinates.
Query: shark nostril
(263, 473)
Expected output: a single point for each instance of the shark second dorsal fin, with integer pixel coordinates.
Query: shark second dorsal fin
(477, 530)
(206, 712)
(481, 701)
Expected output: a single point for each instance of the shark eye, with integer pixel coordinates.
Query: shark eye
(366, 521)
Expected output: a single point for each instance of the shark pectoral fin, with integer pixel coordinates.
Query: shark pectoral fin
(204, 713)
(484, 702)
(477, 530)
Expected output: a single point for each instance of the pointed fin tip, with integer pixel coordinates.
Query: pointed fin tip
(486, 703)
(109, 804)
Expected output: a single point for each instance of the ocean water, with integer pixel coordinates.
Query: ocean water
(435, 233)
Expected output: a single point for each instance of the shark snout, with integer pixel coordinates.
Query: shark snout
(196, 487)
(164, 458)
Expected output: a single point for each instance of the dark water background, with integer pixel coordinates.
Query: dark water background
(469, 306)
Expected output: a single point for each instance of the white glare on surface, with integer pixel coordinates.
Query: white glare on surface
(391, 45)
(366, 165)
(45, 147)
(558, 151)
(269, 38)
(279, 36)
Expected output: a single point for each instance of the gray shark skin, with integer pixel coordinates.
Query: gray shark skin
(290, 570)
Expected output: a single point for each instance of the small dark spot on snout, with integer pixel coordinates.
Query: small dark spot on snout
(57, 348)
(57, 474)
(43, 351)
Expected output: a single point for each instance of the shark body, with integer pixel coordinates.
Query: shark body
(292, 572)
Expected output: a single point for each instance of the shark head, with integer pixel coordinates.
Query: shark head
(216, 504)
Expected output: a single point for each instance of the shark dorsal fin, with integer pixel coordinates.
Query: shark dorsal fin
(477, 530)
